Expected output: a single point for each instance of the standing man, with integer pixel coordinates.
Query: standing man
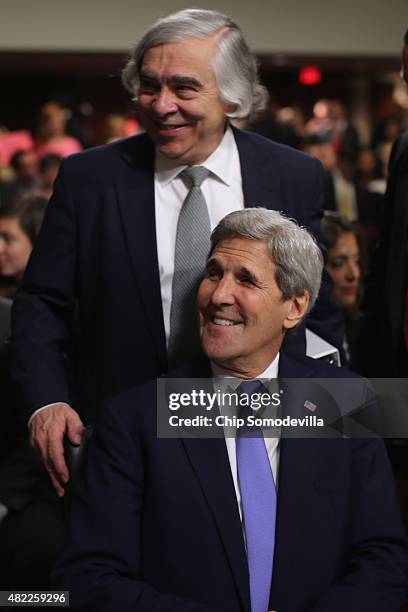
(386, 330)
(127, 230)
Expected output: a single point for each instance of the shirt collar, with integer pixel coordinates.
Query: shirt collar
(270, 372)
(219, 162)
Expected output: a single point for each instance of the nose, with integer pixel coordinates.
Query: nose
(353, 271)
(165, 102)
(223, 292)
(2, 246)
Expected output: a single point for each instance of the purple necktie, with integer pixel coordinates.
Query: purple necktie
(258, 497)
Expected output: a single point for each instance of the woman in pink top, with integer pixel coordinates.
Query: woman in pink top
(51, 137)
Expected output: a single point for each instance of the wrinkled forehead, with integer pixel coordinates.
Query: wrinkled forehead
(238, 251)
(190, 51)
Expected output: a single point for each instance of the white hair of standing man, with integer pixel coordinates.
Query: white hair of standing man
(294, 251)
(234, 64)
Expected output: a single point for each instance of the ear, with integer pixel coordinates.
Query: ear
(229, 108)
(297, 308)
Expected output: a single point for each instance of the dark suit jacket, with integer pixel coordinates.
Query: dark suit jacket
(384, 303)
(97, 248)
(155, 524)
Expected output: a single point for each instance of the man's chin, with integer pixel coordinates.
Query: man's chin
(217, 352)
(173, 150)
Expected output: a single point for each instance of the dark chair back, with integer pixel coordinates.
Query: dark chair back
(75, 457)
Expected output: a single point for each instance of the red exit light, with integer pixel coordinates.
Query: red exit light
(310, 75)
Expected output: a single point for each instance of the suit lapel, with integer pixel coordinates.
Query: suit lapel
(209, 460)
(135, 195)
(260, 178)
(297, 473)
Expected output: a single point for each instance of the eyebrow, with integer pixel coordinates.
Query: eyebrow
(183, 80)
(214, 263)
(346, 255)
(175, 80)
(249, 274)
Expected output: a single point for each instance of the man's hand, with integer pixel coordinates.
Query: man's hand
(47, 430)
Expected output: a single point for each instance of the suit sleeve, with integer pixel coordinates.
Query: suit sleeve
(376, 577)
(100, 562)
(43, 308)
(316, 202)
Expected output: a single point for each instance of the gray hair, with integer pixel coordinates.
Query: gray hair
(234, 65)
(294, 251)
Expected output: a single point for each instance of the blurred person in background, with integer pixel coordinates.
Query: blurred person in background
(295, 118)
(344, 135)
(331, 123)
(344, 244)
(275, 125)
(369, 170)
(344, 193)
(20, 223)
(322, 148)
(25, 166)
(51, 134)
(48, 169)
(352, 200)
(30, 518)
(25, 177)
(114, 127)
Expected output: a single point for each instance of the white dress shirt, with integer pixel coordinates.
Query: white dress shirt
(221, 382)
(222, 191)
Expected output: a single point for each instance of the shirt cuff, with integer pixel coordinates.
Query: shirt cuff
(44, 407)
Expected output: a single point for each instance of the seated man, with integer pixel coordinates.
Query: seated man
(239, 524)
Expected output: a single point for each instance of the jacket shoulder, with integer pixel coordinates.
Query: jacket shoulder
(302, 366)
(282, 153)
(136, 149)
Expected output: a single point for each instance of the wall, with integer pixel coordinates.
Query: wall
(345, 27)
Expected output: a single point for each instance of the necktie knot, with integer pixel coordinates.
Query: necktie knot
(196, 175)
(247, 389)
(250, 386)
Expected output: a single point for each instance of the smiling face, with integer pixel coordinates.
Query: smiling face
(15, 247)
(179, 103)
(242, 316)
(343, 265)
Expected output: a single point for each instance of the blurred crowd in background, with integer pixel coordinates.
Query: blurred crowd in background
(355, 185)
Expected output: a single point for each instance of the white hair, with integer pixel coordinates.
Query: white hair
(294, 251)
(234, 65)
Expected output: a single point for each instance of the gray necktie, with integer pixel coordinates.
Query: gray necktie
(192, 246)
